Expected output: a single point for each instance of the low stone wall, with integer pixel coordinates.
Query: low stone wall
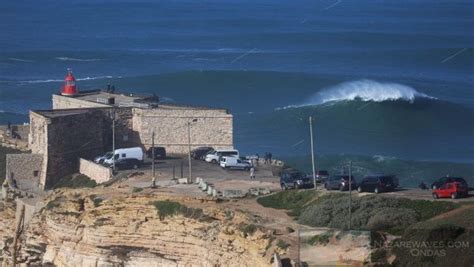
(96, 172)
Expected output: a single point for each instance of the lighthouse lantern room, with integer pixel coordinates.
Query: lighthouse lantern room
(69, 87)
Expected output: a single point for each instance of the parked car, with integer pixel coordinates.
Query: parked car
(101, 159)
(291, 178)
(127, 164)
(378, 184)
(452, 190)
(340, 182)
(321, 176)
(234, 163)
(160, 152)
(444, 180)
(215, 156)
(125, 153)
(201, 152)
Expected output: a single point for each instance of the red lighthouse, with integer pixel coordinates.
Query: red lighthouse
(69, 87)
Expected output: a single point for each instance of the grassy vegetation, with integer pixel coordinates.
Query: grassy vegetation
(293, 200)
(452, 234)
(322, 239)
(3, 161)
(282, 244)
(248, 229)
(137, 189)
(372, 212)
(75, 181)
(167, 208)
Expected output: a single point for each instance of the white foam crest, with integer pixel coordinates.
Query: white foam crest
(368, 90)
(78, 59)
(62, 80)
(364, 90)
(20, 59)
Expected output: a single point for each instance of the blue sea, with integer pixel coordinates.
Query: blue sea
(388, 83)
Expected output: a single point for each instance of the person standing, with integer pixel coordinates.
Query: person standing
(252, 173)
(270, 158)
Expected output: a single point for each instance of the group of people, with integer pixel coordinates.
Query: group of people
(267, 160)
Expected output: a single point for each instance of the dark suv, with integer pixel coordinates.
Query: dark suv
(127, 164)
(340, 182)
(444, 180)
(378, 183)
(321, 176)
(201, 152)
(294, 179)
(160, 152)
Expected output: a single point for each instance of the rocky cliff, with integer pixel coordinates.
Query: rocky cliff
(77, 228)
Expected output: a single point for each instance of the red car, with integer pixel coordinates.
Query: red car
(452, 190)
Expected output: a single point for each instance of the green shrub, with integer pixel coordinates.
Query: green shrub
(370, 212)
(282, 244)
(322, 239)
(170, 208)
(378, 256)
(247, 229)
(292, 200)
(75, 181)
(137, 189)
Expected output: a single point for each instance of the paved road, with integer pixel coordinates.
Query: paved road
(413, 193)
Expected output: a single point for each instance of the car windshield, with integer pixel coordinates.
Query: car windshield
(459, 180)
(108, 155)
(346, 177)
(386, 179)
(295, 175)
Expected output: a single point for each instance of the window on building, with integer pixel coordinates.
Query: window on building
(35, 173)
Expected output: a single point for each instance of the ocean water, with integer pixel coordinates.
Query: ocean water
(383, 79)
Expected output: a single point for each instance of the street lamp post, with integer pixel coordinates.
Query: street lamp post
(350, 195)
(153, 179)
(312, 149)
(113, 139)
(190, 176)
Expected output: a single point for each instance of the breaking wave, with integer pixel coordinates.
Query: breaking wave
(20, 59)
(62, 80)
(78, 59)
(364, 90)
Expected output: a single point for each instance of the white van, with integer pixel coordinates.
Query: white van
(125, 153)
(215, 156)
(234, 163)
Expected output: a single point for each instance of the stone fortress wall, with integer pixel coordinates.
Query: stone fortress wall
(78, 127)
(207, 127)
(212, 127)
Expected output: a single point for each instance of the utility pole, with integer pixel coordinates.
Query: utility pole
(113, 140)
(153, 179)
(312, 149)
(190, 178)
(350, 195)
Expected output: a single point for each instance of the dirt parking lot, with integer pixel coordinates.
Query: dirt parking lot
(222, 179)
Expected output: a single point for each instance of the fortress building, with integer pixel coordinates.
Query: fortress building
(81, 125)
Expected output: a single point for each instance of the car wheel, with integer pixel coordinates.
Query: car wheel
(284, 187)
(435, 196)
(376, 190)
(135, 166)
(359, 189)
(454, 195)
(214, 161)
